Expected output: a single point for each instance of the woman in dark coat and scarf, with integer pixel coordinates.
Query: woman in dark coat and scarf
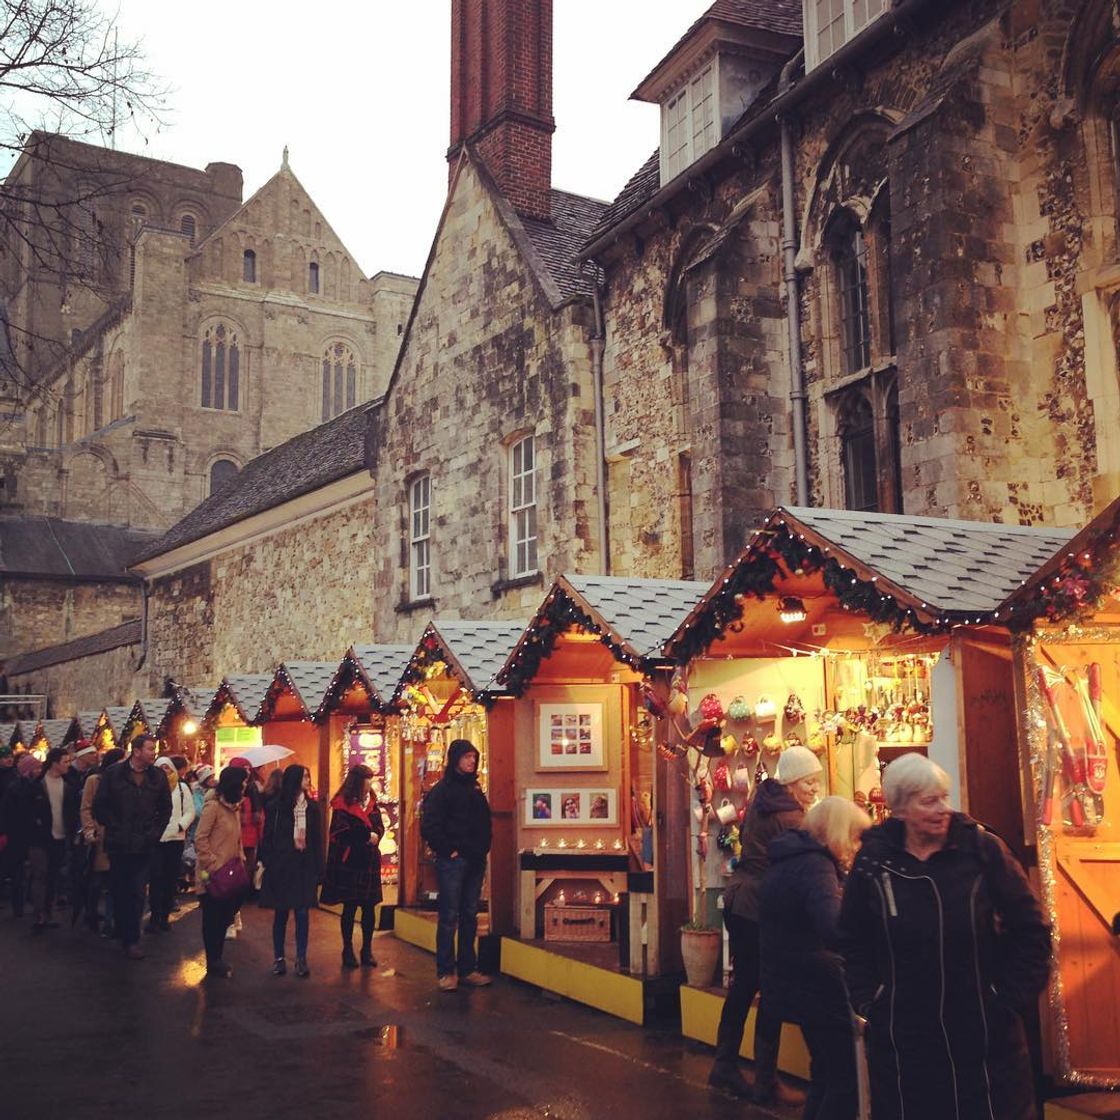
(354, 862)
(945, 947)
(802, 978)
(291, 849)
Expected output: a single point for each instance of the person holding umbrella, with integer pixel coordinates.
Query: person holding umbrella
(291, 850)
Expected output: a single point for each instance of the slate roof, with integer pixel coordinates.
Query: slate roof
(479, 649)
(246, 692)
(126, 634)
(642, 185)
(7, 734)
(953, 566)
(574, 219)
(309, 680)
(118, 719)
(382, 666)
(153, 711)
(304, 463)
(54, 731)
(49, 546)
(642, 613)
(87, 722)
(194, 699)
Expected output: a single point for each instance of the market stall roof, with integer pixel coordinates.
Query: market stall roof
(381, 668)
(86, 723)
(7, 734)
(117, 718)
(632, 617)
(54, 731)
(926, 573)
(151, 712)
(474, 652)
(308, 682)
(194, 699)
(245, 691)
(1075, 578)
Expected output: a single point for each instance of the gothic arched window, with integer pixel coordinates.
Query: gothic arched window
(221, 472)
(249, 267)
(313, 277)
(221, 368)
(340, 379)
(188, 226)
(848, 250)
(858, 456)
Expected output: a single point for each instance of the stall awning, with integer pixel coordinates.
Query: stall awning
(307, 681)
(381, 668)
(926, 573)
(474, 653)
(1075, 579)
(246, 692)
(633, 618)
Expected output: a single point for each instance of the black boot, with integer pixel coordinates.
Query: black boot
(348, 958)
(768, 1087)
(367, 957)
(727, 1076)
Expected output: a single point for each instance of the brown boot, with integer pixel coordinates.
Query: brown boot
(728, 1077)
(768, 1087)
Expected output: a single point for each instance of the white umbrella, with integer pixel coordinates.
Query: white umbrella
(262, 755)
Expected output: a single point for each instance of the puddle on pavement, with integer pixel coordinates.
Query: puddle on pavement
(389, 1038)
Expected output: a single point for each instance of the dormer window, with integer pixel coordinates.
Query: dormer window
(829, 24)
(689, 123)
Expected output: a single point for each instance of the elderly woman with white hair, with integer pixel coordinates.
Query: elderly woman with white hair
(945, 947)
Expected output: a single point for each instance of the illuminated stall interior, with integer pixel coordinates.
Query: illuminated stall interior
(94, 727)
(147, 717)
(363, 730)
(590, 857)
(230, 718)
(861, 636)
(288, 716)
(1066, 619)
(182, 728)
(48, 734)
(446, 692)
(116, 719)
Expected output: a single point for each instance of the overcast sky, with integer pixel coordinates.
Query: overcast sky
(360, 91)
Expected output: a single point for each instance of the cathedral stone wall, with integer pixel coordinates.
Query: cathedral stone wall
(37, 613)
(299, 594)
(101, 680)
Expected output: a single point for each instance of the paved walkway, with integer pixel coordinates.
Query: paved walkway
(87, 1033)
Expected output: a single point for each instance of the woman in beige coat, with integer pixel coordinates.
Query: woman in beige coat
(93, 835)
(217, 840)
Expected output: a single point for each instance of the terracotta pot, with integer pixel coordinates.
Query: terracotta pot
(700, 950)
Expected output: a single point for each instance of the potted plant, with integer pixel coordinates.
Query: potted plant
(701, 943)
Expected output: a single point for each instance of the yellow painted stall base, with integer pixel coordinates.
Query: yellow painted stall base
(416, 929)
(700, 1011)
(607, 991)
(1085, 1106)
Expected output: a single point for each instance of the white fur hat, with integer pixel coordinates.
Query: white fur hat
(797, 762)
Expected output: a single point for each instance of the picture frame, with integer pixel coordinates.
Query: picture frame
(570, 737)
(570, 807)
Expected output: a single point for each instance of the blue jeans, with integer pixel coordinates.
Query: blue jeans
(280, 930)
(460, 887)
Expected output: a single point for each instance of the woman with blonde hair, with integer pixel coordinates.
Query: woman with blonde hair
(801, 973)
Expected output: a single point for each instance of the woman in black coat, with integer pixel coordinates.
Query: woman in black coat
(291, 849)
(354, 861)
(945, 947)
(801, 974)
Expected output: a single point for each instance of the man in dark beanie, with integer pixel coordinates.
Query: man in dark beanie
(455, 823)
(133, 802)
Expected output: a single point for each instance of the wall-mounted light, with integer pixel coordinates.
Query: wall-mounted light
(791, 609)
(189, 727)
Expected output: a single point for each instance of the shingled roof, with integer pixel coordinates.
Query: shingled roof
(475, 651)
(643, 185)
(49, 546)
(308, 680)
(54, 731)
(117, 718)
(245, 691)
(304, 463)
(557, 242)
(381, 667)
(126, 634)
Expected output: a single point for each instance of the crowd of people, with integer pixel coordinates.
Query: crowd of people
(115, 836)
(921, 937)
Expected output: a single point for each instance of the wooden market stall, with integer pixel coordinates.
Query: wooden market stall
(147, 718)
(116, 720)
(862, 636)
(230, 718)
(288, 717)
(92, 725)
(362, 727)
(593, 870)
(447, 691)
(1066, 622)
(48, 734)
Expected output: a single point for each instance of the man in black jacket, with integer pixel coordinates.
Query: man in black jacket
(455, 823)
(133, 802)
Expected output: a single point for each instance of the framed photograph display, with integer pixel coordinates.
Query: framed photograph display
(558, 805)
(571, 737)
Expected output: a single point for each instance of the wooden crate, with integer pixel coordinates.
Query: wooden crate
(576, 923)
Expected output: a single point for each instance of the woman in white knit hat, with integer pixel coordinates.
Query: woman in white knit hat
(777, 805)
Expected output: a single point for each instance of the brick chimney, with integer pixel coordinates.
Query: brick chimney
(501, 95)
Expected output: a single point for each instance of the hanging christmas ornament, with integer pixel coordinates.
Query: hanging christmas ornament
(739, 709)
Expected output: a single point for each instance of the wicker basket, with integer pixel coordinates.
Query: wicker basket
(576, 923)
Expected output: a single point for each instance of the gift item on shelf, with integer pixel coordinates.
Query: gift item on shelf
(794, 711)
(739, 710)
(765, 710)
(711, 707)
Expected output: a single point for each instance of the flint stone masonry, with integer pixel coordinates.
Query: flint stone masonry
(39, 613)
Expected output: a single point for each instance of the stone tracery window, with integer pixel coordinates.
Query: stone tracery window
(221, 368)
(868, 430)
(340, 379)
(848, 250)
